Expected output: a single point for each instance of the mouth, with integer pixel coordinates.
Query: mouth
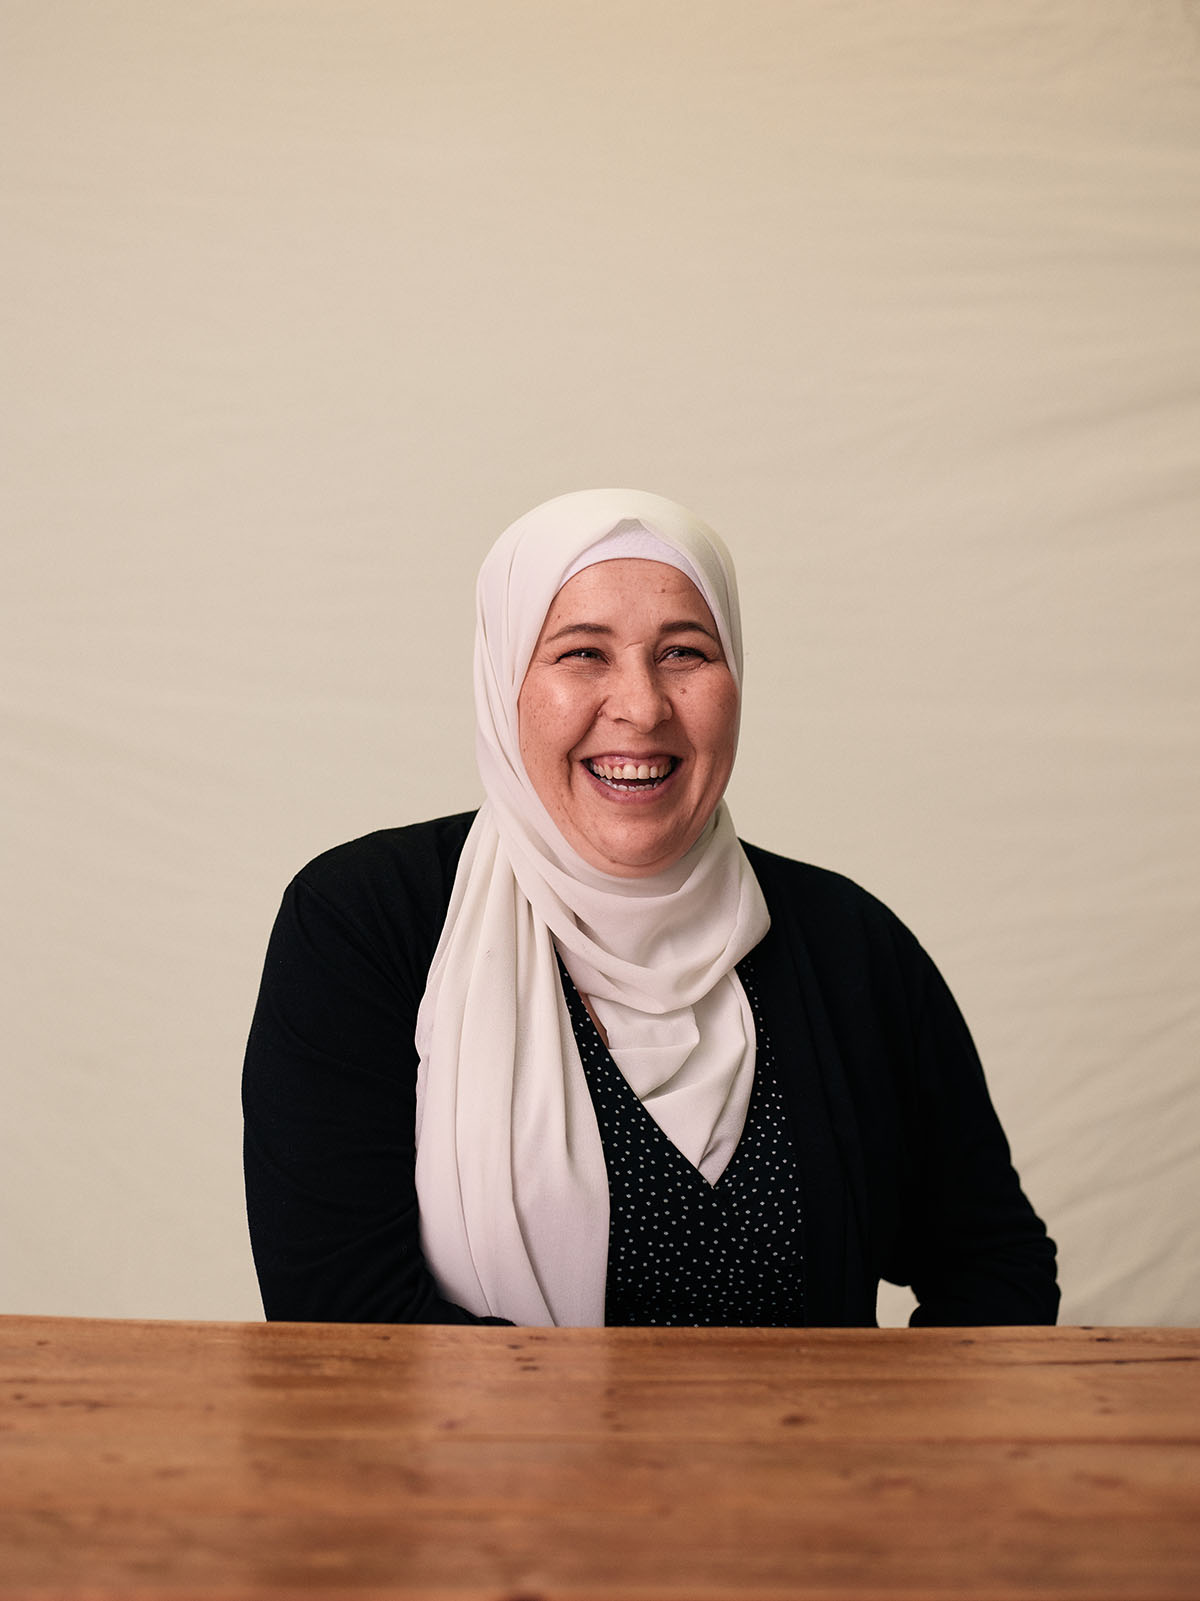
(630, 774)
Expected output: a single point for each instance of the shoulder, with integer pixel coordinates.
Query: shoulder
(846, 934)
(818, 895)
(420, 857)
(392, 886)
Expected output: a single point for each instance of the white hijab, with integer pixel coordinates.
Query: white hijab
(511, 1178)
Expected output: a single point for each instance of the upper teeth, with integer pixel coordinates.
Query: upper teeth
(628, 770)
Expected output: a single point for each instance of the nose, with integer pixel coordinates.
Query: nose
(637, 697)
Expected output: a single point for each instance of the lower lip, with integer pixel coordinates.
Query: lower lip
(626, 797)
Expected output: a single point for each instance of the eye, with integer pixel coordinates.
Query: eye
(581, 653)
(685, 655)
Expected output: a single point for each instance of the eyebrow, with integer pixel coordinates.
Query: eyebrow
(684, 626)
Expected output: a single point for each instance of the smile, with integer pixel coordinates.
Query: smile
(632, 775)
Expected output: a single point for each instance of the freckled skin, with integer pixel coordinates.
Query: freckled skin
(628, 664)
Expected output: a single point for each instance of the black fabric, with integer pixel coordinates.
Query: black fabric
(904, 1169)
(682, 1251)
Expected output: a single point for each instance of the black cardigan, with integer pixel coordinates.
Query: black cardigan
(906, 1171)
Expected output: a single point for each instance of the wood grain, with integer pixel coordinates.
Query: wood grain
(236, 1460)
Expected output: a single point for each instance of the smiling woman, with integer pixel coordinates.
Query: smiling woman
(583, 1057)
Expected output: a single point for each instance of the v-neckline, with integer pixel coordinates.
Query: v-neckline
(575, 1001)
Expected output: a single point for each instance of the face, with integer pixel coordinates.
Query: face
(628, 716)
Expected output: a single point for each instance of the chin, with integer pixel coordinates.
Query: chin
(626, 859)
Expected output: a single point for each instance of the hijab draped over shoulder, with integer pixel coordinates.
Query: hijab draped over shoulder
(511, 1178)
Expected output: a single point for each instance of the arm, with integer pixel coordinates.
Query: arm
(969, 1243)
(908, 1175)
(328, 1093)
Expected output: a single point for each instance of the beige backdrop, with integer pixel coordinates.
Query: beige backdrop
(304, 302)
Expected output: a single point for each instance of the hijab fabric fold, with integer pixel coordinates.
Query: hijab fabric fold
(511, 1178)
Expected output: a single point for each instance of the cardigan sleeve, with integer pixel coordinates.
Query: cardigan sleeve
(907, 1169)
(328, 1093)
(968, 1241)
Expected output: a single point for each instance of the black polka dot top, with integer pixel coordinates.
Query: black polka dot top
(681, 1250)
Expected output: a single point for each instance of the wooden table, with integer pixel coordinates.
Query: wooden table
(235, 1460)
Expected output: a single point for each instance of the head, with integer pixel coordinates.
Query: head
(608, 670)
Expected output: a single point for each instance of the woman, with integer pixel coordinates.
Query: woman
(583, 1057)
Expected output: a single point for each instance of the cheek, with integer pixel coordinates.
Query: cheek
(547, 725)
(716, 726)
(530, 721)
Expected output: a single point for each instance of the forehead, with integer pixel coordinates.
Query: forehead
(657, 592)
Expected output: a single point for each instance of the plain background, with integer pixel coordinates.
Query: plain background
(303, 302)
